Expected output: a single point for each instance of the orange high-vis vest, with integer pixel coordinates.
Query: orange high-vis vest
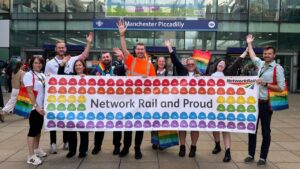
(139, 67)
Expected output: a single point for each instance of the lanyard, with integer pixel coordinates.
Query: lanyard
(262, 71)
(41, 79)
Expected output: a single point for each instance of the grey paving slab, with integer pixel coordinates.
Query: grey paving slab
(284, 150)
(288, 165)
(101, 165)
(144, 165)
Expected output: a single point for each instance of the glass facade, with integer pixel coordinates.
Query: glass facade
(39, 22)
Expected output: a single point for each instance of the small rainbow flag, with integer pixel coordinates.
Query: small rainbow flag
(202, 59)
(164, 138)
(100, 67)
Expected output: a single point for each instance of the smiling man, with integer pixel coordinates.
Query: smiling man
(137, 66)
(265, 81)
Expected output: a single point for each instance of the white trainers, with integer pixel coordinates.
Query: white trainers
(34, 160)
(66, 146)
(40, 153)
(53, 148)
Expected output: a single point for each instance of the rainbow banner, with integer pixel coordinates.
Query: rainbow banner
(102, 103)
(202, 59)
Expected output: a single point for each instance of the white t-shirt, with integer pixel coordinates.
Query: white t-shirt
(53, 65)
(218, 74)
(191, 73)
(38, 85)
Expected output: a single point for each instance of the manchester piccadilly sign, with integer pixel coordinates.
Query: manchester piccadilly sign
(146, 24)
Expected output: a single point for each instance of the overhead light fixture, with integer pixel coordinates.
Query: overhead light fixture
(77, 40)
(53, 38)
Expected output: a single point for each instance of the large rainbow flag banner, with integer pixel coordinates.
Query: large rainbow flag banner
(115, 103)
(202, 59)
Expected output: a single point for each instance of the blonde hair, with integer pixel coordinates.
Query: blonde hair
(59, 41)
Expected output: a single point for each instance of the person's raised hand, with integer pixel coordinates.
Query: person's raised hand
(66, 59)
(249, 39)
(118, 52)
(168, 43)
(90, 37)
(122, 27)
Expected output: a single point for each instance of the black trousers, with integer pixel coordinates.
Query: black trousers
(117, 135)
(84, 141)
(264, 115)
(128, 138)
(99, 136)
(98, 139)
(53, 136)
(1, 98)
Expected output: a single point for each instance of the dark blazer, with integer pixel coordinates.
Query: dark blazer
(180, 69)
(232, 70)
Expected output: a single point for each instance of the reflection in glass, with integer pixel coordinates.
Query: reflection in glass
(290, 10)
(50, 31)
(199, 40)
(52, 6)
(107, 39)
(4, 6)
(266, 10)
(289, 42)
(25, 6)
(77, 37)
(263, 39)
(233, 9)
(100, 6)
(230, 39)
(77, 6)
(177, 39)
(23, 33)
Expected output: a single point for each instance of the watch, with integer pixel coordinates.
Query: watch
(35, 105)
(266, 84)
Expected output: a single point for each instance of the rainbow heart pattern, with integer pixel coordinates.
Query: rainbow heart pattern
(67, 108)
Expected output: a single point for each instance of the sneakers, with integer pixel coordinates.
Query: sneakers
(182, 151)
(34, 160)
(66, 146)
(40, 153)
(249, 159)
(261, 162)
(53, 148)
(217, 148)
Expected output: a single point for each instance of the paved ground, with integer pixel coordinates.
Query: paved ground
(284, 151)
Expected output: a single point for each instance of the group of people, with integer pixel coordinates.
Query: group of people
(140, 65)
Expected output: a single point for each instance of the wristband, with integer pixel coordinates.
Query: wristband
(266, 84)
(35, 105)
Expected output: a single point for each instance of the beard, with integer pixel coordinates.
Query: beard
(107, 63)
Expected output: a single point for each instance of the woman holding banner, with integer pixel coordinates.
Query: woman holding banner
(190, 70)
(163, 139)
(78, 69)
(221, 70)
(34, 81)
